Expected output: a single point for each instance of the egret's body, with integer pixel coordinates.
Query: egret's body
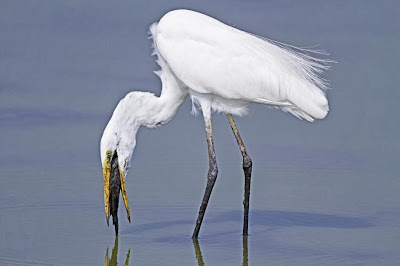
(222, 69)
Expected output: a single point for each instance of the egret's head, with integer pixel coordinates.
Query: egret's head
(116, 149)
(108, 144)
(118, 142)
(120, 135)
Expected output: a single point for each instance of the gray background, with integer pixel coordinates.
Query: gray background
(64, 65)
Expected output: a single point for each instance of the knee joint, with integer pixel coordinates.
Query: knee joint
(247, 163)
(213, 172)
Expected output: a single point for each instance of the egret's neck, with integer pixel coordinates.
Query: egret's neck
(173, 93)
(143, 109)
(160, 110)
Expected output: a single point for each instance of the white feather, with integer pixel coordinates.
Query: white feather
(223, 69)
(219, 61)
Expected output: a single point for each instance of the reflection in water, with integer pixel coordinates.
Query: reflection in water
(245, 252)
(197, 251)
(114, 254)
(199, 255)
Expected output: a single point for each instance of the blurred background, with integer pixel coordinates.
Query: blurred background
(323, 192)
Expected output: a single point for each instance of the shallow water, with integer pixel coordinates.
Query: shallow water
(343, 208)
(160, 235)
(307, 206)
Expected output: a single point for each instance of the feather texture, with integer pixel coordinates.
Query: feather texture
(230, 67)
(222, 69)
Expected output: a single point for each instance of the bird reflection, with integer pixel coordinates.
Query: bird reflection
(197, 251)
(113, 261)
(199, 255)
(245, 252)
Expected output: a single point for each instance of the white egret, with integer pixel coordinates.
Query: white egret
(222, 69)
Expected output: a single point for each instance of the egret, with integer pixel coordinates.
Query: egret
(222, 69)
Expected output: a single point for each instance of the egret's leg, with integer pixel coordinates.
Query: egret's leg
(247, 166)
(211, 176)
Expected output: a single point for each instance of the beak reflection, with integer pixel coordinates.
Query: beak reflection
(113, 261)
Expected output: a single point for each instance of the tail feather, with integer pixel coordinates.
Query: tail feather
(299, 76)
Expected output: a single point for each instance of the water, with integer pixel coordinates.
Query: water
(339, 208)
(323, 193)
(343, 208)
(330, 215)
(74, 235)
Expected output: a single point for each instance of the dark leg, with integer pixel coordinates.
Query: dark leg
(247, 166)
(211, 176)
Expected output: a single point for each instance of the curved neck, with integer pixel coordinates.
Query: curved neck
(160, 110)
(143, 109)
(140, 109)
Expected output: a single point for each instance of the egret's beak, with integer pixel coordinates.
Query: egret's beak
(124, 196)
(114, 182)
(106, 178)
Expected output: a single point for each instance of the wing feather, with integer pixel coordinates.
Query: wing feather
(214, 58)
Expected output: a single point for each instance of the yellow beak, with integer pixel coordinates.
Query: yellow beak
(124, 196)
(106, 178)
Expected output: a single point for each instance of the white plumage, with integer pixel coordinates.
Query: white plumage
(222, 69)
(220, 63)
